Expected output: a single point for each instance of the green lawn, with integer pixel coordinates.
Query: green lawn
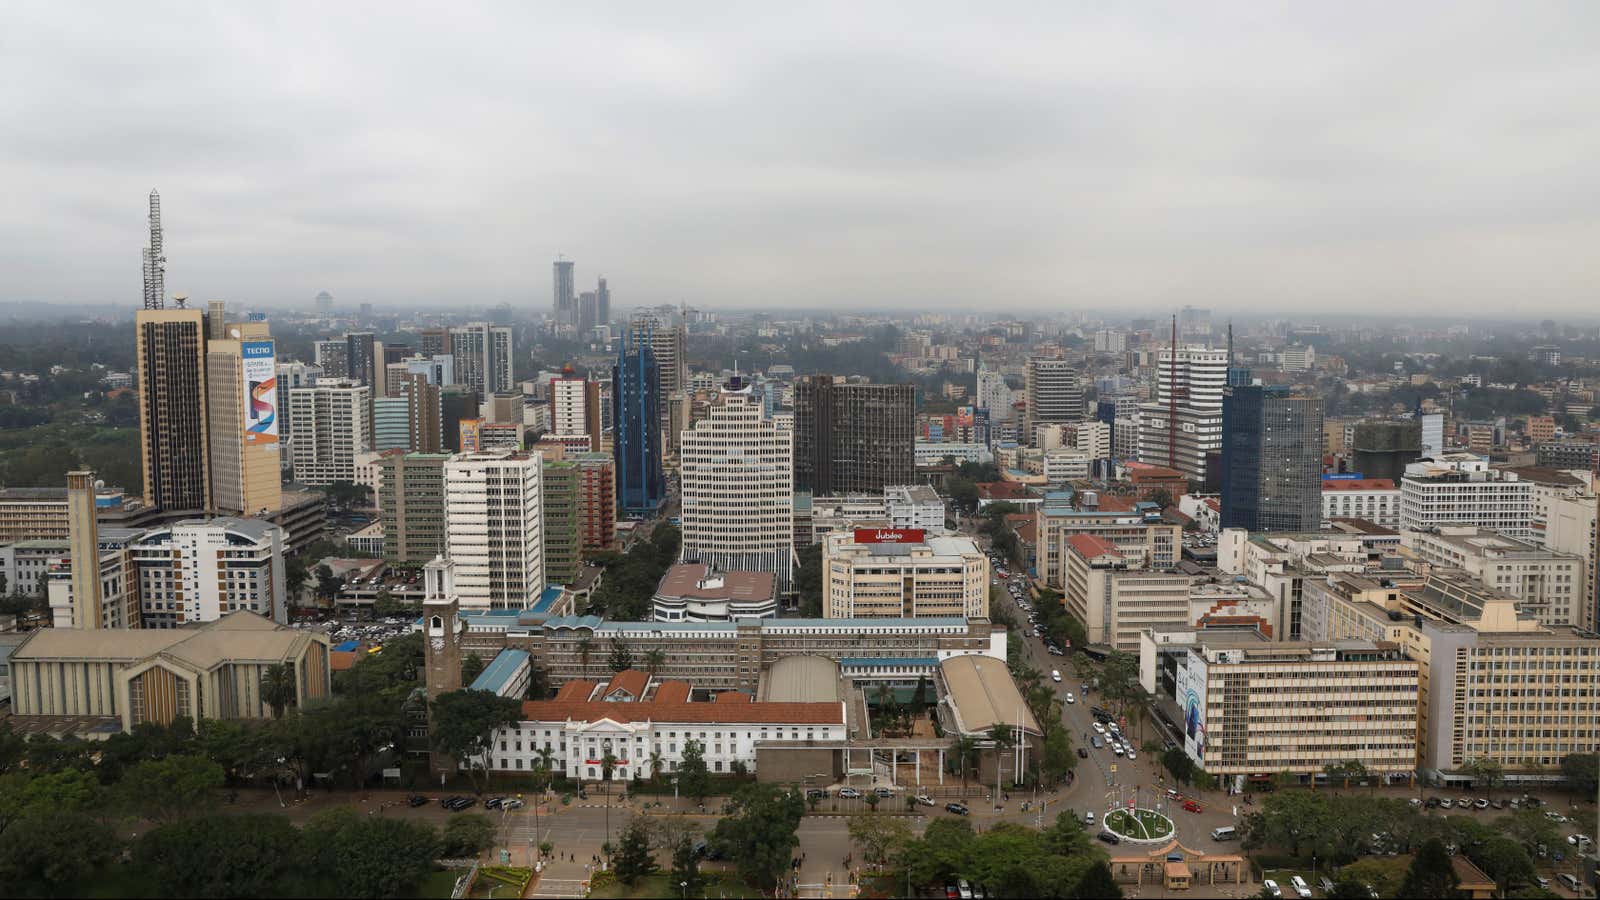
(1142, 824)
(718, 884)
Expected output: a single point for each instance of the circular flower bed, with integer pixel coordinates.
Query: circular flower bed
(1139, 825)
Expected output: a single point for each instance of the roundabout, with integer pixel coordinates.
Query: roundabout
(1138, 825)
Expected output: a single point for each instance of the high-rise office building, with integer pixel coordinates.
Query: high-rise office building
(199, 570)
(1271, 460)
(564, 305)
(482, 358)
(597, 501)
(411, 506)
(602, 304)
(636, 426)
(391, 424)
(1182, 427)
(242, 402)
(171, 356)
(562, 536)
(457, 403)
(588, 312)
(668, 342)
(433, 342)
(738, 488)
(494, 528)
(1198, 376)
(330, 428)
(333, 357)
(1054, 394)
(361, 357)
(994, 395)
(575, 407)
(423, 408)
(1384, 449)
(853, 438)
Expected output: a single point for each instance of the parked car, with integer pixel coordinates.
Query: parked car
(1480, 803)
(1082, 753)
(447, 801)
(416, 800)
(1071, 698)
(1446, 803)
(510, 803)
(1431, 803)
(923, 800)
(1108, 837)
(1271, 887)
(1301, 889)
(959, 809)
(1131, 754)
(849, 793)
(816, 794)
(883, 791)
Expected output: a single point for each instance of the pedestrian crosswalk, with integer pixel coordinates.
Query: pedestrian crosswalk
(559, 887)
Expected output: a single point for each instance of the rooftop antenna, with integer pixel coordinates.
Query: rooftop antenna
(155, 262)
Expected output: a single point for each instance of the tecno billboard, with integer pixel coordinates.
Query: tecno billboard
(261, 392)
(889, 535)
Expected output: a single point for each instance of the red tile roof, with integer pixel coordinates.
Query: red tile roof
(1090, 546)
(734, 697)
(1359, 484)
(673, 692)
(683, 580)
(576, 690)
(631, 681)
(1001, 490)
(1115, 503)
(692, 713)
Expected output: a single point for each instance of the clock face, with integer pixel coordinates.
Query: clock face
(438, 643)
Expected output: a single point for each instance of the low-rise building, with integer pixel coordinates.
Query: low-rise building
(1116, 598)
(1374, 499)
(691, 592)
(199, 570)
(903, 573)
(1549, 585)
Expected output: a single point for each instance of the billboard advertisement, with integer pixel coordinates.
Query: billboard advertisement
(889, 535)
(260, 373)
(1191, 697)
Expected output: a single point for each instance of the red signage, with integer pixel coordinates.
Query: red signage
(889, 535)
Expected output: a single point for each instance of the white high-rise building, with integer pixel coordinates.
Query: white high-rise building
(199, 570)
(330, 426)
(568, 410)
(1461, 489)
(481, 357)
(1110, 341)
(1199, 379)
(995, 395)
(738, 488)
(493, 509)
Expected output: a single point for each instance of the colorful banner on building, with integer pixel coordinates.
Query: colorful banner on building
(261, 392)
(889, 535)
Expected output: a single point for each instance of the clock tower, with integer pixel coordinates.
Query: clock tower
(441, 626)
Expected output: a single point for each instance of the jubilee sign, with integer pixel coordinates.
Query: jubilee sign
(889, 535)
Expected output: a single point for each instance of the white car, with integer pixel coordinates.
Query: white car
(849, 793)
(1271, 887)
(1071, 699)
(1116, 748)
(1301, 889)
(1131, 754)
(1099, 728)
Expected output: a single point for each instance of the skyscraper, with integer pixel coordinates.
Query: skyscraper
(242, 403)
(575, 407)
(494, 528)
(333, 357)
(155, 260)
(668, 343)
(588, 313)
(482, 358)
(1271, 460)
(411, 506)
(171, 351)
(603, 304)
(1184, 423)
(1054, 395)
(1384, 449)
(636, 425)
(361, 360)
(738, 488)
(564, 305)
(562, 539)
(852, 438)
(426, 415)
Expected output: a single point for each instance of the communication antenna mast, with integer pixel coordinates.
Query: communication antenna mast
(155, 262)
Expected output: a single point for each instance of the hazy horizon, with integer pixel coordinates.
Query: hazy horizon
(1427, 160)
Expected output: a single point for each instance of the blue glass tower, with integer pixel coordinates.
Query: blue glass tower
(636, 424)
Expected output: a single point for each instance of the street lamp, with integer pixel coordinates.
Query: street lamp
(685, 886)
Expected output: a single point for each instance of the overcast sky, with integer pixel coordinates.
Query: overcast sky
(1049, 157)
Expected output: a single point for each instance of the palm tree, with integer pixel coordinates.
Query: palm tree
(655, 766)
(964, 750)
(1003, 737)
(655, 659)
(278, 688)
(546, 755)
(585, 647)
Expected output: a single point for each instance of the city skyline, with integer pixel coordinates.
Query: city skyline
(1055, 161)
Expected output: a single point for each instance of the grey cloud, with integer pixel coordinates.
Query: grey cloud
(1049, 156)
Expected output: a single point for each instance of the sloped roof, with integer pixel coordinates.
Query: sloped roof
(983, 695)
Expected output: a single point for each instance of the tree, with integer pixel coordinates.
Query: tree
(1582, 772)
(1530, 827)
(1160, 497)
(361, 727)
(655, 659)
(1348, 888)
(1430, 875)
(758, 830)
(633, 858)
(278, 688)
(1504, 860)
(943, 853)
(471, 668)
(693, 779)
(13, 748)
(1287, 819)
(585, 650)
(1058, 758)
(1486, 772)
(878, 837)
(328, 584)
(170, 788)
(621, 655)
(466, 835)
(655, 766)
(1344, 771)
(52, 850)
(686, 866)
(219, 856)
(1178, 764)
(808, 580)
(964, 755)
(464, 722)
(1097, 883)
(370, 857)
